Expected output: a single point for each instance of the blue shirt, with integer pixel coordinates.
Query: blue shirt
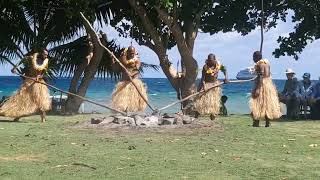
(305, 89)
(315, 91)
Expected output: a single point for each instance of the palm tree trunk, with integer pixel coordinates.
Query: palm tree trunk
(73, 103)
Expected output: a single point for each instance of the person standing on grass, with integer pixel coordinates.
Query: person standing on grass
(125, 96)
(209, 102)
(264, 102)
(32, 97)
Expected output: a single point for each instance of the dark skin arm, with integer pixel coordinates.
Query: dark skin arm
(202, 82)
(137, 66)
(123, 60)
(115, 65)
(224, 71)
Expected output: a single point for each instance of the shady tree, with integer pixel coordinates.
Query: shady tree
(161, 25)
(307, 29)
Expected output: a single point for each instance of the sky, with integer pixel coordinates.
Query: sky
(232, 50)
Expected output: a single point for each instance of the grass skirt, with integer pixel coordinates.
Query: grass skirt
(31, 98)
(267, 103)
(126, 98)
(209, 102)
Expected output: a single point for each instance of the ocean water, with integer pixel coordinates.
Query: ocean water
(160, 92)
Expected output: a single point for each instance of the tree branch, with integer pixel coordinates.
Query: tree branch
(94, 38)
(176, 32)
(148, 44)
(147, 24)
(158, 46)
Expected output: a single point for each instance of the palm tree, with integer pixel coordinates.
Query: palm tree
(33, 24)
(56, 25)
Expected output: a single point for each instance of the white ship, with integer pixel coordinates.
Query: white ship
(246, 74)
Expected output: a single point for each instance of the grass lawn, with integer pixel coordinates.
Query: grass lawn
(53, 150)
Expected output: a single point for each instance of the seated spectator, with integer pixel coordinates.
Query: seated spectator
(315, 100)
(290, 95)
(305, 91)
(223, 108)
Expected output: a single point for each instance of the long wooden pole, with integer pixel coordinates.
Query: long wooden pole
(72, 94)
(122, 66)
(202, 92)
(65, 92)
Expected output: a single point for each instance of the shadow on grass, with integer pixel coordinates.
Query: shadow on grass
(10, 121)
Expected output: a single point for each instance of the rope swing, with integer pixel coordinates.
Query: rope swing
(262, 25)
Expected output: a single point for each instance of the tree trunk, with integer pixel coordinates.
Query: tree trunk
(73, 103)
(89, 69)
(185, 84)
(70, 108)
(188, 81)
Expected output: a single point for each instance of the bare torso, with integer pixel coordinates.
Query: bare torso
(133, 68)
(263, 70)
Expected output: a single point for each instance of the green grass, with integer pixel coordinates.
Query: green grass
(53, 150)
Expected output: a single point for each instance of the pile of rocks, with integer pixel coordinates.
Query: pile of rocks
(142, 120)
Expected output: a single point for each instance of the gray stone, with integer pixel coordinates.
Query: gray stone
(123, 120)
(165, 115)
(178, 118)
(151, 121)
(160, 121)
(141, 114)
(107, 120)
(139, 120)
(96, 120)
(187, 119)
(116, 115)
(169, 121)
(131, 121)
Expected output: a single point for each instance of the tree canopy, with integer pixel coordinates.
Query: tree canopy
(161, 25)
(307, 29)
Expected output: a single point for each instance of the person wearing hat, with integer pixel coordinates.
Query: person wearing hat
(209, 102)
(290, 95)
(305, 92)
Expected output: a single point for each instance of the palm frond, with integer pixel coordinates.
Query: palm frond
(148, 66)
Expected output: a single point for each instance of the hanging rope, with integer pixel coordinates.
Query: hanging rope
(262, 25)
(118, 61)
(203, 92)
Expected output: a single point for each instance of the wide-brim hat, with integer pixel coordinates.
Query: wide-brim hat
(289, 71)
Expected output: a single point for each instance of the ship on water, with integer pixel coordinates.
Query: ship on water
(246, 74)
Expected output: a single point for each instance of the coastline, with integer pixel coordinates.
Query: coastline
(160, 92)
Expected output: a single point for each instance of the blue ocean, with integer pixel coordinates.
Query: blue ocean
(160, 92)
